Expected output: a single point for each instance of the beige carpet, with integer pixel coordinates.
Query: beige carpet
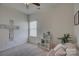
(24, 50)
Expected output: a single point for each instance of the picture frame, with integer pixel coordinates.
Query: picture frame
(76, 18)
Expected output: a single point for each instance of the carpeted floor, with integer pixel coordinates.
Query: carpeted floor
(24, 50)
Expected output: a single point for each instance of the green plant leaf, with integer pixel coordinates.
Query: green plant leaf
(65, 38)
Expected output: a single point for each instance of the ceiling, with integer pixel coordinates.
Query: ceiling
(32, 8)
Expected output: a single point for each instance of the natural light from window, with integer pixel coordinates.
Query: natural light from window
(33, 28)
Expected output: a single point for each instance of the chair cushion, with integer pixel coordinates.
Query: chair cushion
(59, 46)
(71, 51)
(51, 53)
(70, 45)
(60, 52)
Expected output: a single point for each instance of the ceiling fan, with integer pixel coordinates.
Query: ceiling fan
(36, 4)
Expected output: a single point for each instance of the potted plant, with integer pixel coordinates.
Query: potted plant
(65, 38)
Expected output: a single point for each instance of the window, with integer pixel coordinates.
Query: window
(33, 28)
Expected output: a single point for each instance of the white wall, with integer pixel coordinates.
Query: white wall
(6, 14)
(58, 19)
(63, 20)
(76, 27)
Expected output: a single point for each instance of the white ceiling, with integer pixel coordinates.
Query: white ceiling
(32, 8)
